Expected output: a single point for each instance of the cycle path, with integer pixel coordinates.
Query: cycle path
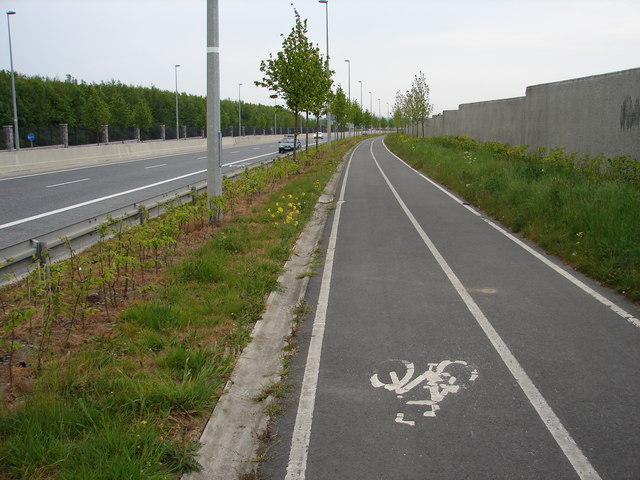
(438, 347)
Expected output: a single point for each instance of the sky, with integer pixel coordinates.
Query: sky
(468, 50)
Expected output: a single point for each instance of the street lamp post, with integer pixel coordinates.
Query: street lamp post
(360, 82)
(326, 5)
(371, 103)
(16, 135)
(379, 114)
(177, 114)
(239, 112)
(349, 65)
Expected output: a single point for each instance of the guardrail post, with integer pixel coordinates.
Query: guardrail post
(40, 249)
(142, 214)
(194, 195)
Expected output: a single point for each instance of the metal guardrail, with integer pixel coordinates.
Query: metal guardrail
(16, 259)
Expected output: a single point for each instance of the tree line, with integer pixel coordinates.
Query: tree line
(413, 107)
(45, 101)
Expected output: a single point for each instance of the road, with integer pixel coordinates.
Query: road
(439, 346)
(30, 204)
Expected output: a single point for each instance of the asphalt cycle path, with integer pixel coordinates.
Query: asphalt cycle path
(439, 346)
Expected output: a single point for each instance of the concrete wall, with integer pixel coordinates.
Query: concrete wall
(38, 160)
(597, 114)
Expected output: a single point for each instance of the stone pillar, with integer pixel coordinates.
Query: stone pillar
(136, 133)
(163, 133)
(64, 135)
(105, 133)
(8, 136)
(184, 131)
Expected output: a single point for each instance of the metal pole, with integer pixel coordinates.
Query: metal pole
(360, 82)
(371, 103)
(16, 136)
(177, 115)
(214, 150)
(326, 4)
(349, 65)
(239, 113)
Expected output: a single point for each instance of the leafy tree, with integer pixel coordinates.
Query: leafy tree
(95, 112)
(120, 111)
(340, 108)
(417, 101)
(293, 74)
(142, 117)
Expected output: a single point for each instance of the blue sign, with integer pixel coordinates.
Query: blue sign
(31, 137)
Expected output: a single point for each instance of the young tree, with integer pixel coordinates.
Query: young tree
(95, 113)
(340, 108)
(293, 74)
(142, 117)
(417, 100)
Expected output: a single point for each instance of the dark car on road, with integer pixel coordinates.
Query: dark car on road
(287, 145)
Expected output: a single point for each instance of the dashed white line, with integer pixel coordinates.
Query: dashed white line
(156, 166)
(67, 183)
(95, 200)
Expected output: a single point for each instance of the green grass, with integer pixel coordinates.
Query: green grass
(113, 409)
(586, 211)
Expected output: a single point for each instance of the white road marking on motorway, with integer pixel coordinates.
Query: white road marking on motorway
(94, 166)
(247, 159)
(235, 151)
(67, 183)
(201, 158)
(156, 166)
(581, 285)
(580, 463)
(95, 200)
(297, 466)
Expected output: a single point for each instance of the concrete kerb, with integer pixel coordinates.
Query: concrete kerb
(230, 440)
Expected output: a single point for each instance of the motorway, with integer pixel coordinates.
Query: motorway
(32, 205)
(440, 346)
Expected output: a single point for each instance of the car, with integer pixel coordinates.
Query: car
(318, 135)
(287, 145)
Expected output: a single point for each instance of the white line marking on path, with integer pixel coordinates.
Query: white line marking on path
(95, 200)
(67, 183)
(297, 466)
(578, 283)
(156, 166)
(580, 463)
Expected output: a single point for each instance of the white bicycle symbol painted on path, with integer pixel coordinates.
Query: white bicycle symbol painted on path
(439, 380)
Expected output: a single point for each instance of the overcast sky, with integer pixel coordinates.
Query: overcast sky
(469, 50)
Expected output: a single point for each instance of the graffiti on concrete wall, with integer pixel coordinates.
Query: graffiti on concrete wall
(630, 113)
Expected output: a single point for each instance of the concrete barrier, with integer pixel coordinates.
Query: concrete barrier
(594, 115)
(38, 160)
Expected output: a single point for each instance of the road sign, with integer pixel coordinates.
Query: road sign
(31, 137)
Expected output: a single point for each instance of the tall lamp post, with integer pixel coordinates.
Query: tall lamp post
(371, 103)
(177, 114)
(16, 136)
(349, 65)
(239, 112)
(326, 5)
(379, 114)
(360, 82)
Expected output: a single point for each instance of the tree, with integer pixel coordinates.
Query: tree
(340, 107)
(120, 111)
(295, 73)
(95, 112)
(142, 117)
(417, 100)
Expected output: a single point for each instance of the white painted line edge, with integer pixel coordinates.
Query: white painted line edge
(156, 166)
(578, 283)
(95, 200)
(580, 463)
(67, 183)
(296, 468)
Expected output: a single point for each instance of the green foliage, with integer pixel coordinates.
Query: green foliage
(586, 210)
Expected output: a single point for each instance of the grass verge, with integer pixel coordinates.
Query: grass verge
(113, 376)
(584, 210)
